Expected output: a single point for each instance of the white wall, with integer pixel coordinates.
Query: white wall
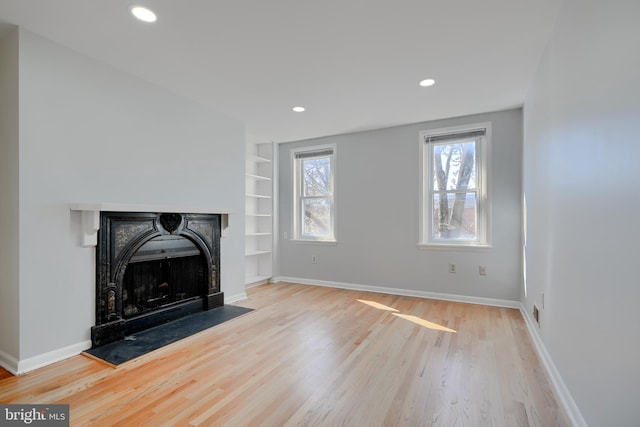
(9, 279)
(377, 218)
(582, 185)
(89, 133)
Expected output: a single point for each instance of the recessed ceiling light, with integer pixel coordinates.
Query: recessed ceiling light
(427, 82)
(298, 109)
(143, 14)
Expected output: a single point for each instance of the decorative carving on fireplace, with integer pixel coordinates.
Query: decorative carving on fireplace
(170, 221)
(152, 268)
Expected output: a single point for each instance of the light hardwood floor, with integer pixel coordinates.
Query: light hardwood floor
(315, 356)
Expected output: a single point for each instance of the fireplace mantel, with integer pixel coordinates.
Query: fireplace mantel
(91, 215)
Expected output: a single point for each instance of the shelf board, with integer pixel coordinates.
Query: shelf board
(259, 159)
(258, 234)
(257, 177)
(254, 253)
(259, 215)
(258, 196)
(129, 207)
(255, 280)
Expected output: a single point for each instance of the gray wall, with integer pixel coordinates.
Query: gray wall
(89, 133)
(582, 186)
(9, 289)
(377, 216)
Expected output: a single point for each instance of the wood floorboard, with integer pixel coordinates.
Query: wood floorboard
(316, 356)
(4, 373)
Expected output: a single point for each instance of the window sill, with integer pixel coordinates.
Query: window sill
(453, 247)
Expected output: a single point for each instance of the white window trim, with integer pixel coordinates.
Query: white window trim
(296, 223)
(483, 165)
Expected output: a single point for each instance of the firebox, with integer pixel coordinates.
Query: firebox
(152, 268)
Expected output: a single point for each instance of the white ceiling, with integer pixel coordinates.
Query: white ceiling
(354, 64)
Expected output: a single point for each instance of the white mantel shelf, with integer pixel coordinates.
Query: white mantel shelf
(126, 207)
(91, 215)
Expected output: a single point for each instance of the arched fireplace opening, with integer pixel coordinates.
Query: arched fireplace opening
(152, 268)
(164, 271)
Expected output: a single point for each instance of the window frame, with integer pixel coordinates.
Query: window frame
(298, 197)
(483, 199)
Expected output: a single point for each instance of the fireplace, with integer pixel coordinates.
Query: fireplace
(152, 268)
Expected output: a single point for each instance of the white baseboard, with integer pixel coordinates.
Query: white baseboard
(19, 367)
(50, 357)
(565, 399)
(559, 387)
(234, 298)
(9, 362)
(403, 292)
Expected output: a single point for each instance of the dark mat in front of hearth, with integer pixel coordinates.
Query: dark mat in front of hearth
(154, 338)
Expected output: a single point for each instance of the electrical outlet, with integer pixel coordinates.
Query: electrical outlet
(536, 314)
(482, 270)
(452, 268)
(314, 259)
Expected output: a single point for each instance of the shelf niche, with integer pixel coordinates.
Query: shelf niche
(259, 191)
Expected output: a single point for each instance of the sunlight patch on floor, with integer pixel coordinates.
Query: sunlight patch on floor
(415, 319)
(419, 321)
(377, 305)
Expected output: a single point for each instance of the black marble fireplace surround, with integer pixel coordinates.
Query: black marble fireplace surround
(152, 268)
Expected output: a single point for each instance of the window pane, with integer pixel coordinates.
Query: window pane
(454, 166)
(316, 175)
(455, 216)
(316, 217)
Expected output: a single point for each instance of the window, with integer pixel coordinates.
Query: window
(454, 186)
(314, 193)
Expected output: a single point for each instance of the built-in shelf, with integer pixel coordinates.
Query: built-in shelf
(259, 192)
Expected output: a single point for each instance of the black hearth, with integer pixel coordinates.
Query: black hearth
(153, 268)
